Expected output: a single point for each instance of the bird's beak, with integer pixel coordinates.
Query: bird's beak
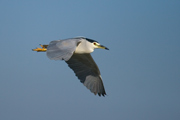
(102, 47)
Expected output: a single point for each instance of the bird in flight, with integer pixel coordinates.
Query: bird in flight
(76, 53)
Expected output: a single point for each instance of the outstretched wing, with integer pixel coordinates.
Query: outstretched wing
(87, 71)
(62, 49)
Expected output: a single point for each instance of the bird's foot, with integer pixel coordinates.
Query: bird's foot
(43, 49)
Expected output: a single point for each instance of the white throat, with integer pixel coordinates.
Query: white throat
(84, 47)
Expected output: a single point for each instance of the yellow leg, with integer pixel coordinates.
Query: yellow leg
(41, 46)
(43, 49)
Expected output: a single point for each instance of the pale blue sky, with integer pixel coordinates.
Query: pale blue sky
(141, 71)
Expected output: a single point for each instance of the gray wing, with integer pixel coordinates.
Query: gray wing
(62, 49)
(87, 71)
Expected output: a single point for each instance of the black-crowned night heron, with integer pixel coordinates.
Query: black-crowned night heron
(76, 53)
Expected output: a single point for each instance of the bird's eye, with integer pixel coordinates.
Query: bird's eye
(94, 43)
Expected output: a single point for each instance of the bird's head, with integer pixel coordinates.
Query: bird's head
(95, 44)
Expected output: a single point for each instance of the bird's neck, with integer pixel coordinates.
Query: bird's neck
(84, 47)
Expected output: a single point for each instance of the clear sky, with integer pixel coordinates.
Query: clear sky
(141, 71)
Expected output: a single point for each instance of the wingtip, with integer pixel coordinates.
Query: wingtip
(103, 94)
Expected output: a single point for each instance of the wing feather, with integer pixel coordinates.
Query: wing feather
(62, 49)
(88, 72)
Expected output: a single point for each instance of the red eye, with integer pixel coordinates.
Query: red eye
(94, 43)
